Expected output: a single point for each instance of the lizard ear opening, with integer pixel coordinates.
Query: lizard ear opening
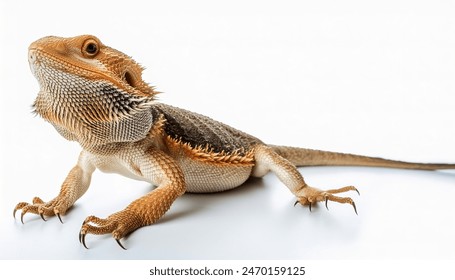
(129, 79)
(133, 78)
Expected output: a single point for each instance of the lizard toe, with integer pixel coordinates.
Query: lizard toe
(29, 208)
(55, 207)
(19, 206)
(309, 195)
(118, 225)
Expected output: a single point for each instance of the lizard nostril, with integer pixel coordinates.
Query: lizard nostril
(31, 56)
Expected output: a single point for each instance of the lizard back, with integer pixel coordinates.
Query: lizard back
(202, 132)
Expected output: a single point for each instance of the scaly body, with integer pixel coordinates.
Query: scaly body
(95, 95)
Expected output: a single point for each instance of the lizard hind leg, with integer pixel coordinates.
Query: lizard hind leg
(268, 160)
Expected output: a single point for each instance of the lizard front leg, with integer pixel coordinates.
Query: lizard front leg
(161, 170)
(74, 186)
(268, 160)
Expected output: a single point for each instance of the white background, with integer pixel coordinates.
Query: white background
(365, 77)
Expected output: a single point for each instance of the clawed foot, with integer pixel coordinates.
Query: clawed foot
(56, 207)
(309, 195)
(118, 224)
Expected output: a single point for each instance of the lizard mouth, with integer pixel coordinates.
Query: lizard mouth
(41, 61)
(39, 57)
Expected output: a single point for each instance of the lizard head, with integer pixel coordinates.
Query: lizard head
(86, 56)
(88, 88)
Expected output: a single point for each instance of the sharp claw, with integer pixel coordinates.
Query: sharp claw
(60, 218)
(296, 203)
(357, 191)
(22, 217)
(42, 216)
(83, 240)
(19, 206)
(355, 209)
(80, 237)
(326, 201)
(120, 244)
(310, 206)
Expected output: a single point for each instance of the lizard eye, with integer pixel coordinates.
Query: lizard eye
(90, 48)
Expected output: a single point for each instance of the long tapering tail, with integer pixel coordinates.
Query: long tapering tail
(308, 157)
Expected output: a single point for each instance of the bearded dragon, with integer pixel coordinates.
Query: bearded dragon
(95, 95)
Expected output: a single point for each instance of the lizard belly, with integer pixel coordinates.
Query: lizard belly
(201, 177)
(112, 164)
